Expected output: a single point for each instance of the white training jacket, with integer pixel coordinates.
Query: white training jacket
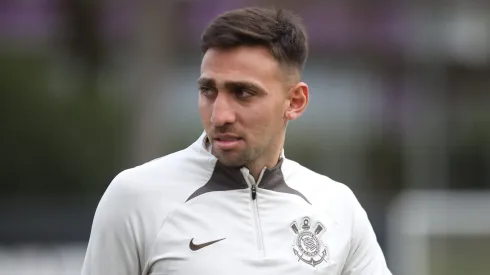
(186, 214)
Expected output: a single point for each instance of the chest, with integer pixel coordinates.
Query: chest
(269, 235)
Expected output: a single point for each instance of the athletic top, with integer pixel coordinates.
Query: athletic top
(187, 214)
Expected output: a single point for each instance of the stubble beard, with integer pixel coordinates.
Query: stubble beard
(235, 159)
(246, 157)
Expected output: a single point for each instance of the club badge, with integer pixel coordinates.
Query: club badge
(308, 247)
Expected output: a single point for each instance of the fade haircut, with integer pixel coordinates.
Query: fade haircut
(280, 31)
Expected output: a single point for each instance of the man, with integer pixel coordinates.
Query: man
(232, 203)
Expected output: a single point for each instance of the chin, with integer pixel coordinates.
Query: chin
(230, 159)
(231, 162)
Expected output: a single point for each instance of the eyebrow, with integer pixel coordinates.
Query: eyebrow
(206, 81)
(230, 85)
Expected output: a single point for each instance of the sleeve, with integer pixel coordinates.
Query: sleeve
(365, 255)
(114, 239)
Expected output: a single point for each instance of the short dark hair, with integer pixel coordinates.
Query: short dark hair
(278, 30)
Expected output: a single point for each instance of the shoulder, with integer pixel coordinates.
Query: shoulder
(299, 176)
(159, 184)
(323, 192)
(179, 171)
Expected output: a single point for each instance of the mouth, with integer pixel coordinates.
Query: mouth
(227, 139)
(227, 142)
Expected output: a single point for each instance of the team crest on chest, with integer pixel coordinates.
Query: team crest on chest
(307, 246)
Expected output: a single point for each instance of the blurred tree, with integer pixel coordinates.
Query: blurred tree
(150, 75)
(48, 145)
(81, 36)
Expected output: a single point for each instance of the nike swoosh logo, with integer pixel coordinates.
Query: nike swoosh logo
(195, 247)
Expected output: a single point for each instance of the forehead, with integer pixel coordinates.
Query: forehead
(240, 64)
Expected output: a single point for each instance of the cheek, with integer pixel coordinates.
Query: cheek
(253, 119)
(266, 119)
(279, 112)
(204, 112)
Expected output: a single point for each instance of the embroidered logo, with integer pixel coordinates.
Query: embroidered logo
(308, 247)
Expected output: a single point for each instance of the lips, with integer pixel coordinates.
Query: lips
(226, 142)
(227, 139)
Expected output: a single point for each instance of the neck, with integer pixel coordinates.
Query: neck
(269, 159)
(256, 167)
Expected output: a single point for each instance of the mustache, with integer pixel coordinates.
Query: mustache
(225, 129)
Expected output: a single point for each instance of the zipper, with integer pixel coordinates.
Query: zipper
(255, 212)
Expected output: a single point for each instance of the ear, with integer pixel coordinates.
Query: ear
(298, 101)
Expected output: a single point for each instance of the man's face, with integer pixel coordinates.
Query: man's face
(242, 103)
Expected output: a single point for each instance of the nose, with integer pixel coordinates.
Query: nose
(223, 112)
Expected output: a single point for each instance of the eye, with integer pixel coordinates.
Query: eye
(243, 93)
(207, 91)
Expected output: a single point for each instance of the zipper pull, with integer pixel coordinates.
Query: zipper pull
(254, 192)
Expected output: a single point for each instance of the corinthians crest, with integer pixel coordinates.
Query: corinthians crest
(308, 247)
